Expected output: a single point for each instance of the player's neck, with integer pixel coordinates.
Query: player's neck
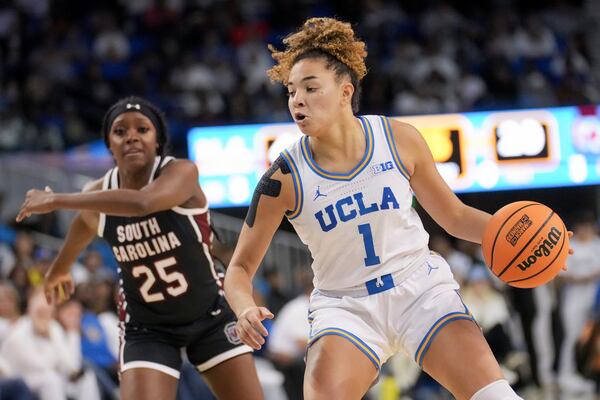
(344, 140)
(134, 178)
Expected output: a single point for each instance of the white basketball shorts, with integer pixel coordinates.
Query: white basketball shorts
(406, 317)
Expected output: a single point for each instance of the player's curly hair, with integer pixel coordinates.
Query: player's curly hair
(327, 38)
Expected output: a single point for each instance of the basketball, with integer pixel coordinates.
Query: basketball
(525, 244)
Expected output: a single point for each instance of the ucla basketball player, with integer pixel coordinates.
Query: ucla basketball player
(347, 187)
(153, 213)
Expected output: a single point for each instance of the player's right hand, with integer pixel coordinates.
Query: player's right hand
(249, 326)
(58, 288)
(36, 202)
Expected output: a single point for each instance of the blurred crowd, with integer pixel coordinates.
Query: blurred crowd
(62, 63)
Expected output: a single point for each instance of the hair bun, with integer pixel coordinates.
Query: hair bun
(327, 34)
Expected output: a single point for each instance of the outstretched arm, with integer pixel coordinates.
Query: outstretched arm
(432, 191)
(175, 185)
(274, 195)
(58, 285)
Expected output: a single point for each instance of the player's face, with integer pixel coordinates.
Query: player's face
(315, 95)
(132, 139)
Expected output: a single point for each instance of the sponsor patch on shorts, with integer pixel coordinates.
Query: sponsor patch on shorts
(231, 333)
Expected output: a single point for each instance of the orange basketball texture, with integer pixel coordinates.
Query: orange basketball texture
(525, 244)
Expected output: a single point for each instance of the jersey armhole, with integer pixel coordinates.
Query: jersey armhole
(165, 161)
(299, 195)
(102, 216)
(389, 135)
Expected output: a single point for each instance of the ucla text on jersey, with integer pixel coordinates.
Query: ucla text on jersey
(349, 207)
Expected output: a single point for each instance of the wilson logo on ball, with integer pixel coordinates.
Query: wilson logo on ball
(518, 229)
(543, 249)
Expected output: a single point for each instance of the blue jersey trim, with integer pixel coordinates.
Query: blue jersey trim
(299, 201)
(435, 328)
(355, 340)
(369, 150)
(392, 146)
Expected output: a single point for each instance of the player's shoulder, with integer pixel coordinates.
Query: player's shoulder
(405, 134)
(400, 128)
(281, 165)
(179, 165)
(180, 169)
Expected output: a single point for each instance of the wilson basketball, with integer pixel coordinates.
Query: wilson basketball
(525, 244)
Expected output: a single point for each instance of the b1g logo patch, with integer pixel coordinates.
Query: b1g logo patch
(231, 333)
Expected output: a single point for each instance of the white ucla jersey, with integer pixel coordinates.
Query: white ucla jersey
(358, 225)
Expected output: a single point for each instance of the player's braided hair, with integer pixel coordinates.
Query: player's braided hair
(326, 38)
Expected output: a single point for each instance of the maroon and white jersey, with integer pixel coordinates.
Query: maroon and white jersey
(167, 275)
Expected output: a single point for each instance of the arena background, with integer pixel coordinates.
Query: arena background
(62, 63)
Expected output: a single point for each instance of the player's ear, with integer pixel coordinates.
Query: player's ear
(347, 92)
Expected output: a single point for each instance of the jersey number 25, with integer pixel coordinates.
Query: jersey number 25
(178, 287)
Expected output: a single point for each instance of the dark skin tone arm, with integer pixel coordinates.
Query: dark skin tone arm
(58, 284)
(176, 185)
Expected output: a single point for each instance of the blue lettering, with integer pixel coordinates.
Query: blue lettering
(382, 167)
(340, 209)
(362, 210)
(327, 227)
(345, 209)
(387, 198)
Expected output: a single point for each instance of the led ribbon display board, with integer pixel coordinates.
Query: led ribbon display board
(476, 151)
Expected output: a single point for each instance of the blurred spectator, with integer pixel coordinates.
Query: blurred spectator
(534, 40)
(491, 313)
(290, 333)
(42, 259)
(578, 293)
(48, 355)
(9, 308)
(100, 333)
(111, 44)
(7, 259)
(18, 273)
(24, 247)
(273, 292)
(460, 263)
(270, 379)
(91, 269)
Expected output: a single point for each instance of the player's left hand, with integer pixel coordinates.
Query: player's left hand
(58, 287)
(249, 326)
(36, 202)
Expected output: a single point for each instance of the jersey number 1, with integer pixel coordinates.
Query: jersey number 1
(180, 284)
(371, 258)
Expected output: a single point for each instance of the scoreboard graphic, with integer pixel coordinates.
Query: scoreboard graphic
(474, 152)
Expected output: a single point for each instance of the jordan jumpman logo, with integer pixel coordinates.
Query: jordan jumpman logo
(318, 193)
(431, 268)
